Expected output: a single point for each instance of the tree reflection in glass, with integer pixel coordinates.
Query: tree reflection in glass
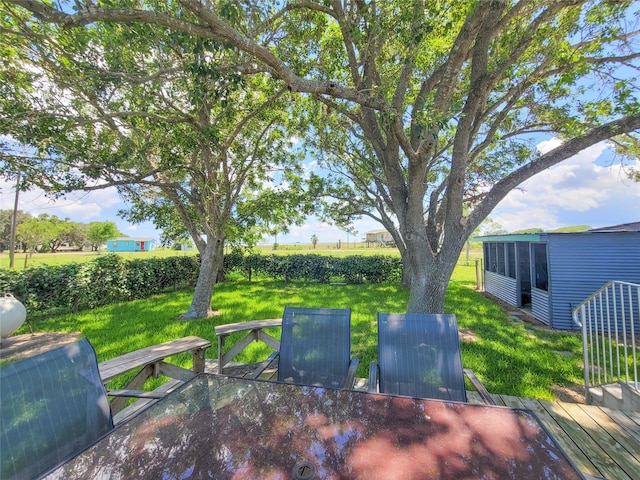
(220, 427)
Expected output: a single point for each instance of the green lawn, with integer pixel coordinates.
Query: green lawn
(60, 258)
(508, 358)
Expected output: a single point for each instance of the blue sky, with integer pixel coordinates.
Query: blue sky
(588, 189)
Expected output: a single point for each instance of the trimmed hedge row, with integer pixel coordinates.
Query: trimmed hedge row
(111, 278)
(321, 268)
(107, 279)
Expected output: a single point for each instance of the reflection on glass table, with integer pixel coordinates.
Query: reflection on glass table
(224, 427)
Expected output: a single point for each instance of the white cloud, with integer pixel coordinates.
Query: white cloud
(577, 191)
(548, 145)
(311, 167)
(77, 206)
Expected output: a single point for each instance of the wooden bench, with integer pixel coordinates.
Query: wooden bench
(132, 410)
(254, 331)
(150, 361)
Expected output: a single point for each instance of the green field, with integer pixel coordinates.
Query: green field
(42, 259)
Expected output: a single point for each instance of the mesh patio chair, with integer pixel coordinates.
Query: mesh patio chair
(315, 348)
(52, 405)
(419, 356)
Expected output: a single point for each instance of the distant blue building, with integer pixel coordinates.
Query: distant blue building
(128, 244)
(552, 273)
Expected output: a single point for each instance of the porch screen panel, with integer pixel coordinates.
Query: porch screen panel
(540, 266)
(500, 259)
(511, 260)
(487, 259)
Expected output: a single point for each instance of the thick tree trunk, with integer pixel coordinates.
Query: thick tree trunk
(211, 261)
(430, 275)
(406, 274)
(406, 269)
(429, 285)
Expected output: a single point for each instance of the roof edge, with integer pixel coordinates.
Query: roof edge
(510, 237)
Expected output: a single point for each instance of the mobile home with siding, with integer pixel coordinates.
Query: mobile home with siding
(552, 273)
(128, 244)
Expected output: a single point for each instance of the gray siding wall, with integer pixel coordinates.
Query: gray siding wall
(505, 288)
(540, 305)
(582, 263)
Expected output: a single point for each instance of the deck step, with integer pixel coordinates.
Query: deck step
(609, 396)
(630, 398)
(612, 396)
(597, 396)
(617, 396)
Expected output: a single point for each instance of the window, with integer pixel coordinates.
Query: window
(115, 244)
(511, 260)
(490, 254)
(500, 258)
(487, 261)
(494, 257)
(540, 268)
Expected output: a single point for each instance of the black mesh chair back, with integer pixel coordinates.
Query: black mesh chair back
(52, 406)
(419, 356)
(315, 347)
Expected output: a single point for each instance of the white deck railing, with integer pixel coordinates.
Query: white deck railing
(609, 321)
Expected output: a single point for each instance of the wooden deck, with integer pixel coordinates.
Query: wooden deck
(27, 345)
(601, 442)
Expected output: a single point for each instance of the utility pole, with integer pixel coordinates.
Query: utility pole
(14, 223)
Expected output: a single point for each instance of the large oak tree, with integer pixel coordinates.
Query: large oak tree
(441, 99)
(184, 127)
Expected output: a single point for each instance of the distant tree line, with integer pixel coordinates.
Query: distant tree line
(47, 233)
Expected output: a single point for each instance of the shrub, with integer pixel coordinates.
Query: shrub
(107, 279)
(322, 268)
(41, 288)
(111, 278)
(100, 282)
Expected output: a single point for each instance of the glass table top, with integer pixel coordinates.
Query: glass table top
(224, 427)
